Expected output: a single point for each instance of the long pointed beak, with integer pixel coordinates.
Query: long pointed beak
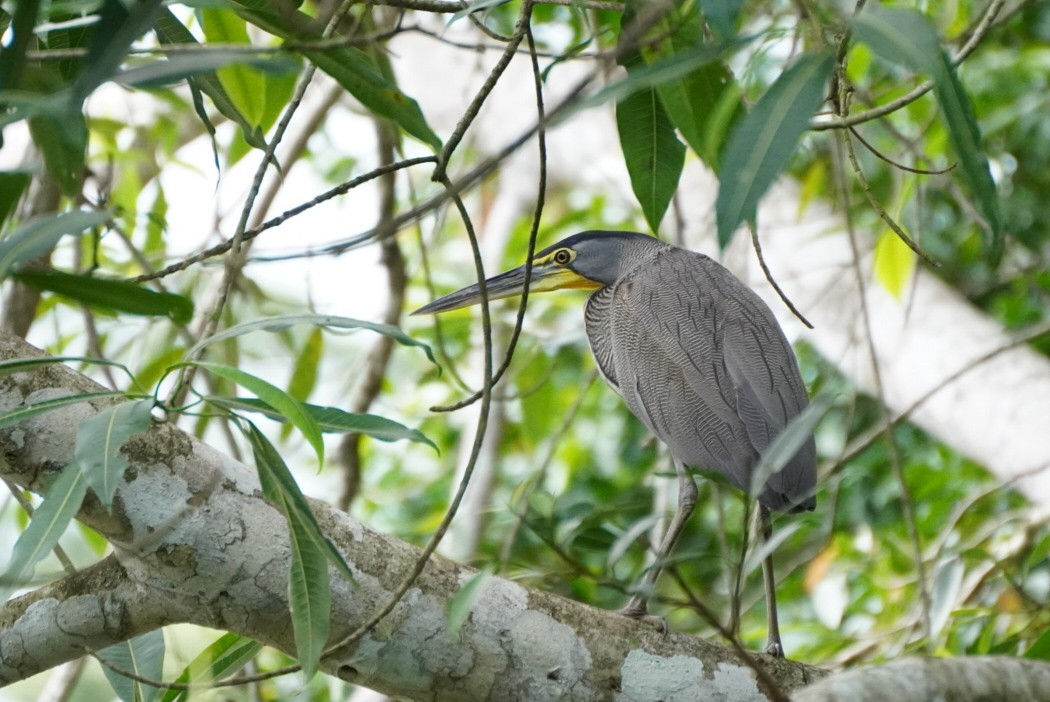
(508, 284)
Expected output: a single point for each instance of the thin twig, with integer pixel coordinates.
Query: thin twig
(769, 276)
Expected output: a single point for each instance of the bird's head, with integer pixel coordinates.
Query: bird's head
(588, 261)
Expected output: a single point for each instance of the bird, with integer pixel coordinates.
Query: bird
(698, 358)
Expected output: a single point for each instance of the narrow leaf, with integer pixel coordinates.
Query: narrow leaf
(161, 73)
(282, 322)
(224, 657)
(787, 443)
(98, 444)
(762, 143)
(288, 407)
(894, 263)
(1040, 650)
(459, 605)
(906, 37)
(143, 656)
(280, 488)
(308, 595)
(332, 420)
(49, 522)
(111, 294)
(12, 185)
(946, 585)
(33, 409)
(39, 235)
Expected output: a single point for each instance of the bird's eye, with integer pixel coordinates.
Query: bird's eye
(562, 256)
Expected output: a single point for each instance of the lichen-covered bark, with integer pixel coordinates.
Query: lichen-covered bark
(196, 542)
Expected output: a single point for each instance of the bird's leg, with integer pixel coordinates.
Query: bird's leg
(687, 495)
(773, 645)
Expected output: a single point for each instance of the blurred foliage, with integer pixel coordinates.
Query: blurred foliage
(578, 479)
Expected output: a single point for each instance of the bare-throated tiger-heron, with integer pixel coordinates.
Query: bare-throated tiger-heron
(698, 357)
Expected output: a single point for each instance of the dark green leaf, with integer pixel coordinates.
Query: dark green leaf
(117, 28)
(99, 440)
(12, 185)
(309, 596)
(762, 143)
(722, 16)
(652, 152)
(704, 102)
(38, 236)
(170, 30)
(280, 488)
(290, 408)
(1040, 650)
(351, 68)
(142, 655)
(49, 522)
(110, 294)
(333, 420)
(16, 365)
(224, 657)
(906, 37)
(62, 139)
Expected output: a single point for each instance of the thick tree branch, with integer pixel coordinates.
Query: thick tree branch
(196, 542)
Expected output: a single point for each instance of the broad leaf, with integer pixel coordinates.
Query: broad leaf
(62, 138)
(111, 294)
(906, 37)
(142, 655)
(763, 142)
(39, 235)
(224, 657)
(652, 152)
(12, 185)
(98, 444)
(894, 263)
(49, 522)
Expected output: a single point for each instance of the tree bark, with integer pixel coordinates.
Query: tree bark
(195, 542)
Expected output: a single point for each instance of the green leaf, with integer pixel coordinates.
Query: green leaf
(1040, 650)
(224, 657)
(351, 68)
(332, 420)
(62, 139)
(944, 594)
(33, 409)
(762, 143)
(142, 655)
(279, 487)
(652, 152)
(12, 185)
(49, 522)
(157, 74)
(787, 443)
(704, 102)
(98, 444)
(16, 365)
(39, 235)
(309, 596)
(244, 87)
(906, 37)
(722, 16)
(304, 373)
(170, 30)
(118, 27)
(459, 605)
(110, 294)
(289, 408)
(282, 322)
(894, 263)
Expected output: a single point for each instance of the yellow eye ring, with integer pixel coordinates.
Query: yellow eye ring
(562, 257)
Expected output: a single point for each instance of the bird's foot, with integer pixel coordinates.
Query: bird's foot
(775, 648)
(638, 609)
